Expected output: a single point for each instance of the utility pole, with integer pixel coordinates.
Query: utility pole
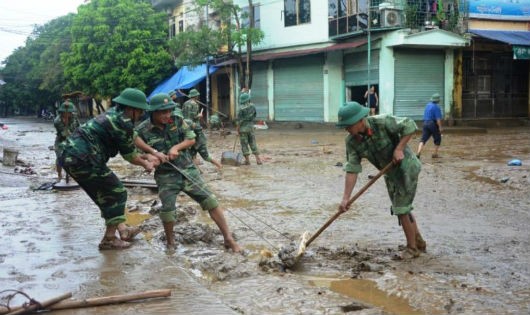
(368, 63)
(207, 75)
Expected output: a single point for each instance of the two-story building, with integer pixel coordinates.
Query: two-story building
(495, 66)
(318, 54)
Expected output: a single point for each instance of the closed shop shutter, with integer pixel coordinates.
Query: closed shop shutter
(418, 75)
(298, 89)
(356, 68)
(259, 90)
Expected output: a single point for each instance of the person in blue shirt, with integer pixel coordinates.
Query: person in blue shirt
(432, 125)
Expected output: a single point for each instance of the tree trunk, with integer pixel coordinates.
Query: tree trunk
(248, 72)
(240, 70)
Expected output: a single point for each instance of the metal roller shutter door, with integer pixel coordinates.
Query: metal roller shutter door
(418, 75)
(298, 89)
(259, 90)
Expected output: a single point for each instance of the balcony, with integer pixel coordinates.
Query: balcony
(393, 14)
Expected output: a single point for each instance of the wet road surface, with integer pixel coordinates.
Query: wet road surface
(471, 208)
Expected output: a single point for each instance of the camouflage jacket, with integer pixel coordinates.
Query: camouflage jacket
(162, 140)
(245, 117)
(103, 137)
(378, 144)
(64, 131)
(190, 110)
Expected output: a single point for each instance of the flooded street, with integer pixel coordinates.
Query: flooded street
(471, 207)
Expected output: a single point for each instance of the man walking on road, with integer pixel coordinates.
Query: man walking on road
(432, 125)
(383, 139)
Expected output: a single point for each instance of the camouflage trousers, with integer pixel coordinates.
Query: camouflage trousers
(200, 146)
(401, 185)
(248, 143)
(101, 185)
(171, 183)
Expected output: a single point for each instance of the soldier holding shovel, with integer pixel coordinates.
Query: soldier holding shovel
(383, 139)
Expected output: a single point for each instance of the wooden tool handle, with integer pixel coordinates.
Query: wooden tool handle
(352, 199)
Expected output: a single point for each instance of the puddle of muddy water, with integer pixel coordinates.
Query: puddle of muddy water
(366, 291)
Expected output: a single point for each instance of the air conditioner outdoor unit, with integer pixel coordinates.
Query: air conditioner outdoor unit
(391, 17)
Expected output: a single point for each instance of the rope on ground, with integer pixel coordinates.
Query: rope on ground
(26, 305)
(266, 224)
(250, 228)
(192, 180)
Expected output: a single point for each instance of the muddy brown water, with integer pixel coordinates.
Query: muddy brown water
(471, 207)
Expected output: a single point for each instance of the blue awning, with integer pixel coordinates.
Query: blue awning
(521, 38)
(185, 78)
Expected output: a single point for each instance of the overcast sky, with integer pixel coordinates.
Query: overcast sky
(17, 18)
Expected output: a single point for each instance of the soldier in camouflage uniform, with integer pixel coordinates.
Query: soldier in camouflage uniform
(200, 145)
(65, 123)
(383, 139)
(190, 109)
(173, 96)
(87, 151)
(166, 133)
(245, 128)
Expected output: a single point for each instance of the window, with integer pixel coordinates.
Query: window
(257, 18)
(340, 8)
(297, 12)
(181, 26)
(171, 27)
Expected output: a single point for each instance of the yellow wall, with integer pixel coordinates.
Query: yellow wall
(499, 25)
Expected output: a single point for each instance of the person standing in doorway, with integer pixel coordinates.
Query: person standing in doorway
(432, 125)
(372, 100)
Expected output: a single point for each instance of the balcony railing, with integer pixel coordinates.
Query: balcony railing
(413, 14)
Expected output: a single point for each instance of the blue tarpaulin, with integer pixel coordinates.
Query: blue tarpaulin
(185, 78)
(508, 37)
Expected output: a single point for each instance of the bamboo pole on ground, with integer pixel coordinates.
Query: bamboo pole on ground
(106, 300)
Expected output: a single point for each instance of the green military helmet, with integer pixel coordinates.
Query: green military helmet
(244, 98)
(133, 98)
(350, 113)
(194, 93)
(67, 107)
(177, 112)
(435, 97)
(172, 93)
(161, 101)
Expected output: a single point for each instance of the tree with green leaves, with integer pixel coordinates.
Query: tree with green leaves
(236, 32)
(116, 44)
(33, 73)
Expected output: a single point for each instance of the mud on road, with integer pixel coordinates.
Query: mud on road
(471, 207)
